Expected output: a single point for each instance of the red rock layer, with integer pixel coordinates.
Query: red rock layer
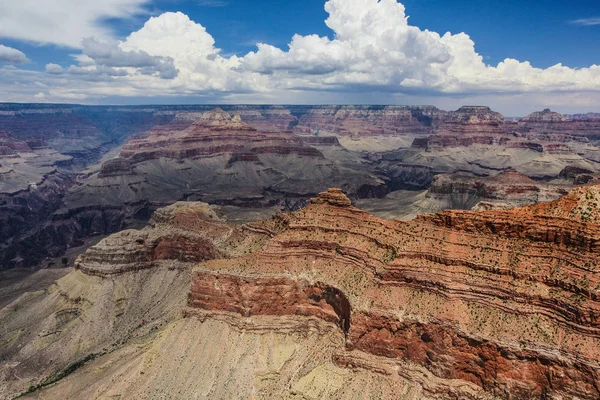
(507, 372)
(365, 120)
(215, 133)
(548, 122)
(11, 145)
(268, 296)
(507, 188)
(508, 300)
(185, 232)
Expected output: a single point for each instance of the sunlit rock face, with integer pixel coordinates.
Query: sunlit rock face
(457, 304)
(469, 295)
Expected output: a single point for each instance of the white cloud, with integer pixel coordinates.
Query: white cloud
(193, 50)
(374, 56)
(62, 22)
(110, 54)
(12, 56)
(375, 48)
(54, 69)
(586, 21)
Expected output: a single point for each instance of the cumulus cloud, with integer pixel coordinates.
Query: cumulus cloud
(96, 73)
(193, 50)
(105, 60)
(375, 48)
(12, 56)
(374, 55)
(62, 22)
(54, 69)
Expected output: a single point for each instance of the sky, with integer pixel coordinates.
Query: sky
(514, 56)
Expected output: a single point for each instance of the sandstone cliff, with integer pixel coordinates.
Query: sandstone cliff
(458, 304)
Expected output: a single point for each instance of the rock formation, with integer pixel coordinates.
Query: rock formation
(478, 140)
(65, 161)
(221, 159)
(548, 122)
(457, 304)
(367, 275)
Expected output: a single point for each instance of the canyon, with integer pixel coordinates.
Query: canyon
(200, 251)
(326, 301)
(69, 173)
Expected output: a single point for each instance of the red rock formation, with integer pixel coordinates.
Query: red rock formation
(504, 304)
(11, 145)
(365, 120)
(508, 188)
(185, 232)
(467, 126)
(472, 120)
(507, 300)
(115, 167)
(214, 133)
(548, 122)
(268, 296)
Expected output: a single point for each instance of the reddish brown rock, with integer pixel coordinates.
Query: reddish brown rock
(549, 122)
(369, 121)
(506, 300)
(268, 296)
(214, 133)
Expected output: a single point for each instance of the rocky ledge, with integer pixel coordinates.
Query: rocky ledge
(506, 300)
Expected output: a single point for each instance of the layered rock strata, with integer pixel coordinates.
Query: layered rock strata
(273, 156)
(506, 300)
(508, 189)
(458, 304)
(221, 159)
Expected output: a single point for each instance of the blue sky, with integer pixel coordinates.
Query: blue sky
(542, 33)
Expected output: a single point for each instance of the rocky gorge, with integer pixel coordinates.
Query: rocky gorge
(457, 259)
(457, 304)
(96, 170)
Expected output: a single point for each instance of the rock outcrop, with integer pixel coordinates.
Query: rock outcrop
(508, 189)
(370, 120)
(213, 134)
(457, 304)
(549, 122)
(462, 326)
(221, 159)
(42, 148)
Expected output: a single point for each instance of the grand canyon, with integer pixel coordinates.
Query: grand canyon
(305, 252)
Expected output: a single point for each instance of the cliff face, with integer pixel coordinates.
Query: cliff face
(498, 299)
(549, 122)
(42, 148)
(213, 134)
(508, 189)
(124, 287)
(480, 141)
(367, 120)
(471, 120)
(458, 304)
(221, 159)
(210, 156)
(33, 180)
